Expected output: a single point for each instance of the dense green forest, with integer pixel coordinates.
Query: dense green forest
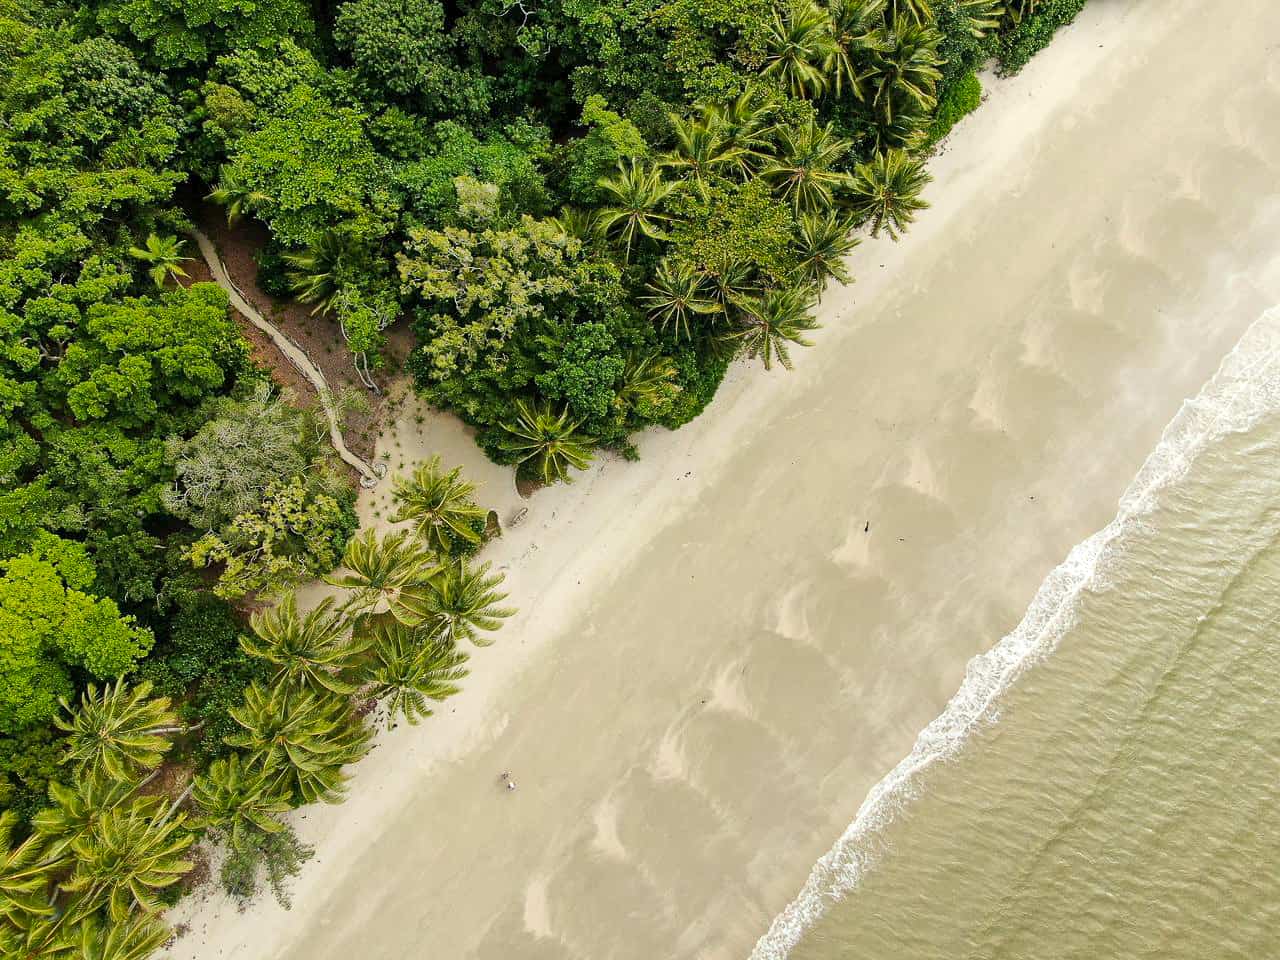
(586, 211)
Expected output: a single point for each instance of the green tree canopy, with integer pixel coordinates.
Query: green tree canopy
(50, 623)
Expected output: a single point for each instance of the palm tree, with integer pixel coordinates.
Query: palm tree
(677, 294)
(39, 938)
(747, 125)
(702, 151)
(409, 666)
(464, 601)
(732, 283)
(240, 799)
(1015, 10)
(805, 173)
(799, 45)
(77, 809)
(855, 30)
(130, 853)
(441, 508)
(825, 240)
(917, 10)
(317, 272)
(577, 223)
(304, 737)
(120, 731)
(887, 191)
(905, 130)
(380, 570)
(237, 196)
(551, 444)
(635, 196)
(165, 256)
(778, 318)
(134, 939)
(648, 380)
(310, 651)
(25, 873)
(983, 16)
(905, 67)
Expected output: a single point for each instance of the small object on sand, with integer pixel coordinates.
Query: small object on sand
(511, 784)
(518, 517)
(867, 528)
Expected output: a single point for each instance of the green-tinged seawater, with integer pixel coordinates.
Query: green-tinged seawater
(1111, 786)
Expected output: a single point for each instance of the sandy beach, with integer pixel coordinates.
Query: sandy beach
(720, 649)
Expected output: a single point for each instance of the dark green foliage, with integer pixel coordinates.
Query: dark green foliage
(699, 374)
(958, 99)
(200, 664)
(28, 761)
(1034, 32)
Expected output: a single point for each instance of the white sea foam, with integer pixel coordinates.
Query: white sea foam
(1245, 388)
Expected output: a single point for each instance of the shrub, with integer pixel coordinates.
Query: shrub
(200, 664)
(958, 99)
(1033, 34)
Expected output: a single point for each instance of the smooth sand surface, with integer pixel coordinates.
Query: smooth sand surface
(713, 662)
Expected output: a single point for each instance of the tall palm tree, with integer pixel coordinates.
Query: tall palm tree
(1015, 10)
(982, 16)
(25, 873)
(164, 254)
(887, 189)
(77, 809)
(237, 196)
(577, 223)
(905, 130)
(305, 737)
(408, 666)
(240, 799)
(309, 651)
(780, 317)
(646, 380)
(677, 295)
(798, 46)
(918, 11)
(747, 123)
(732, 283)
(634, 199)
(441, 507)
(824, 241)
(134, 939)
(905, 67)
(464, 602)
(317, 272)
(702, 151)
(855, 32)
(120, 730)
(379, 570)
(549, 442)
(805, 172)
(132, 852)
(34, 937)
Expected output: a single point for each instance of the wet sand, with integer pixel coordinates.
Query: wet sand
(714, 662)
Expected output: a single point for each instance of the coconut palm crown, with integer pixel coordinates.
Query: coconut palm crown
(441, 507)
(120, 730)
(549, 442)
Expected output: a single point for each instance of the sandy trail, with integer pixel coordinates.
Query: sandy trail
(713, 661)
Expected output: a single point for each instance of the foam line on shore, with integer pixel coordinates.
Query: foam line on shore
(1245, 388)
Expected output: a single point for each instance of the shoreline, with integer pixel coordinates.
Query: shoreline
(564, 564)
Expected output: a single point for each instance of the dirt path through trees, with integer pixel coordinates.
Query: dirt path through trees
(370, 474)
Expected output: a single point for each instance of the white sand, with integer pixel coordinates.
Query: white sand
(713, 662)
